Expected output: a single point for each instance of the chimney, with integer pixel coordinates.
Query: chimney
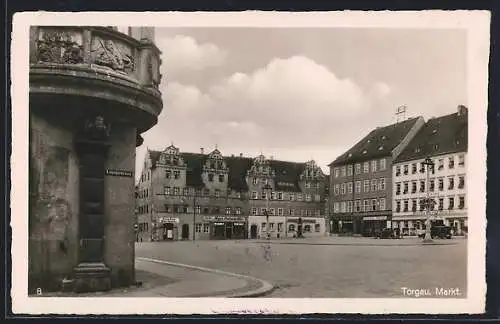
(241, 155)
(461, 110)
(232, 155)
(271, 158)
(202, 151)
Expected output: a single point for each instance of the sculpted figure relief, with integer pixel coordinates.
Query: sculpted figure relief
(58, 47)
(108, 55)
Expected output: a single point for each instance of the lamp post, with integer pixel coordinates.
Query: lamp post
(267, 188)
(428, 238)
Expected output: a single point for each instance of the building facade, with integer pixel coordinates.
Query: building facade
(185, 196)
(444, 141)
(93, 92)
(361, 179)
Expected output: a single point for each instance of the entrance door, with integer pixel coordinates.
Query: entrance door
(185, 232)
(229, 230)
(253, 231)
(168, 231)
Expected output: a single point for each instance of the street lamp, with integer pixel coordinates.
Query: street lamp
(428, 238)
(267, 188)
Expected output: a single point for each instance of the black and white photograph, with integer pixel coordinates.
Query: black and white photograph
(252, 162)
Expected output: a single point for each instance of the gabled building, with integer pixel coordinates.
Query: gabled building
(227, 197)
(361, 179)
(444, 141)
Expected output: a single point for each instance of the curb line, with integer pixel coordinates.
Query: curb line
(265, 288)
(355, 244)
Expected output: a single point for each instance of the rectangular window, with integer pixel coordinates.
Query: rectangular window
(292, 212)
(280, 227)
(451, 162)
(461, 160)
(358, 186)
(422, 185)
(273, 195)
(382, 203)
(461, 202)
(177, 174)
(374, 185)
(414, 205)
(228, 210)
(308, 197)
(263, 195)
(349, 187)
(317, 197)
(366, 185)
(238, 210)
(440, 164)
(176, 191)
(405, 169)
(308, 184)
(198, 210)
(441, 184)
(336, 207)
(336, 190)
(357, 168)
(357, 206)
(280, 196)
(349, 206)
(210, 177)
(342, 189)
(422, 167)
(343, 206)
(263, 211)
(413, 168)
(206, 227)
(254, 194)
(451, 183)
(405, 187)
(366, 204)
(405, 205)
(398, 171)
(168, 174)
(461, 182)
(413, 187)
(263, 225)
(366, 167)
(254, 211)
(374, 204)
(349, 170)
(198, 227)
(398, 206)
(336, 173)
(280, 211)
(254, 181)
(206, 192)
(185, 191)
(292, 195)
(381, 184)
(382, 164)
(221, 178)
(299, 197)
(374, 166)
(451, 203)
(398, 188)
(431, 185)
(343, 171)
(167, 190)
(441, 204)
(217, 193)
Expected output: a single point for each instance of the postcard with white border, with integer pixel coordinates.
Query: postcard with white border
(249, 162)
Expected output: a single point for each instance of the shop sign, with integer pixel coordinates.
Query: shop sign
(375, 218)
(219, 224)
(285, 184)
(304, 220)
(239, 224)
(224, 218)
(169, 220)
(119, 173)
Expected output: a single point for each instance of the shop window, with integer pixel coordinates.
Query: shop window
(291, 227)
(206, 228)
(317, 228)
(198, 227)
(307, 228)
(263, 226)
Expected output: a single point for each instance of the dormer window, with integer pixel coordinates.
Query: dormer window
(365, 151)
(384, 137)
(436, 147)
(434, 131)
(349, 155)
(380, 148)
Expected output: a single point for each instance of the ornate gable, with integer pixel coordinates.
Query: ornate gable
(312, 171)
(261, 167)
(215, 162)
(171, 156)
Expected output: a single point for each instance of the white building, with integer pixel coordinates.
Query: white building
(444, 141)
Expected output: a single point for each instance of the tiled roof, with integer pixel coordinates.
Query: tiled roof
(441, 135)
(287, 172)
(378, 143)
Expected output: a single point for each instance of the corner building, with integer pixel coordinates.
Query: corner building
(444, 141)
(361, 179)
(92, 92)
(186, 196)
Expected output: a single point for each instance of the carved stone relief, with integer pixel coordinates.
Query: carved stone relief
(59, 46)
(153, 68)
(113, 55)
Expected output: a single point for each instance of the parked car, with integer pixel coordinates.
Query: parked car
(438, 231)
(388, 233)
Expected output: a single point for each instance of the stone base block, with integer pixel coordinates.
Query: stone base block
(91, 277)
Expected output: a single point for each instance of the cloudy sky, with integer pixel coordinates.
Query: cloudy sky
(299, 94)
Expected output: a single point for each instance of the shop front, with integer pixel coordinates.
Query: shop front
(226, 227)
(167, 229)
(373, 224)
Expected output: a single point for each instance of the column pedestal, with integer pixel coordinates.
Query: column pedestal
(91, 277)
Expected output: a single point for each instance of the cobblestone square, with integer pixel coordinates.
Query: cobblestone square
(331, 267)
